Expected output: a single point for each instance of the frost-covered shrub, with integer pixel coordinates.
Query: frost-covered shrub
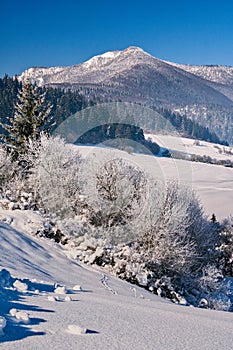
(226, 247)
(214, 289)
(219, 301)
(50, 229)
(211, 279)
(174, 229)
(74, 227)
(8, 170)
(54, 175)
(13, 187)
(115, 194)
(216, 301)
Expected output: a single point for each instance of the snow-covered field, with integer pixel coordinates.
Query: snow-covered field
(191, 146)
(85, 313)
(212, 183)
(49, 301)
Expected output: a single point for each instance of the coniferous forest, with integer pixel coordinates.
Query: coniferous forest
(66, 102)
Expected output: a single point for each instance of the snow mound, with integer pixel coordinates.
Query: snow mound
(52, 298)
(77, 287)
(22, 316)
(60, 290)
(67, 298)
(20, 286)
(75, 329)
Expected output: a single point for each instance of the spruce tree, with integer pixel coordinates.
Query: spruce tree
(31, 117)
(213, 218)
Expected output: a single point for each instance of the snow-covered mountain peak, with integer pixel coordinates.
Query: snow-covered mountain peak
(100, 60)
(95, 70)
(135, 50)
(108, 57)
(133, 53)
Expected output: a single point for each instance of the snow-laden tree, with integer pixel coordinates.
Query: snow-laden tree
(54, 177)
(31, 117)
(175, 235)
(115, 192)
(120, 189)
(7, 170)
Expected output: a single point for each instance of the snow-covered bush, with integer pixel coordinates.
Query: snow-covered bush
(12, 184)
(174, 229)
(226, 247)
(211, 279)
(115, 193)
(54, 175)
(213, 289)
(8, 170)
(219, 301)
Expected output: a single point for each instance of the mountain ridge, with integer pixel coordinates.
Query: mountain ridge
(203, 93)
(220, 73)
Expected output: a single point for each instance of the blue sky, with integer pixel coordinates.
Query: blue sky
(51, 33)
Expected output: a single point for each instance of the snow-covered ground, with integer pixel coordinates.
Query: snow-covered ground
(191, 146)
(86, 314)
(212, 183)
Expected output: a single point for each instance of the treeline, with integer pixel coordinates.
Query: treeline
(63, 103)
(118, 135)
(201, 159)
(8, 94)
(66, 102)
(190, 128)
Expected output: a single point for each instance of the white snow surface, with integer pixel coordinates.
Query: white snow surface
(213, 184)
(189, 146)
(94, 317)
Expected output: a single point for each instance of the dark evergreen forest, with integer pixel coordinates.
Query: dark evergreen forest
(67, 102)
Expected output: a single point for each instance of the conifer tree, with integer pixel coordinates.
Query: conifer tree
(213, 218)
(31, 117)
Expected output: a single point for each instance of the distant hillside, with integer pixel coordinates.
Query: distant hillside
(219, 77)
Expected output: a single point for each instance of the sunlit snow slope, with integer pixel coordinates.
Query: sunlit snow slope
(212, 183)
(108, 320)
